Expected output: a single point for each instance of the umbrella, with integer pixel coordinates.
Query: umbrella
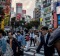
(54, 37)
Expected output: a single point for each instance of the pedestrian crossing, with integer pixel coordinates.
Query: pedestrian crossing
(32, 52)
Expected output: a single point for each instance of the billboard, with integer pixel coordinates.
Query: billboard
(55, 20)
(18, 11)
(23, 11)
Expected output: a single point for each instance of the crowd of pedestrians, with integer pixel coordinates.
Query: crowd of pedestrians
(18, 41)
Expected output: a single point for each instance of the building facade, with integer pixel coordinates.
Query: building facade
(56, 12)
(47, 15)
(37, 10)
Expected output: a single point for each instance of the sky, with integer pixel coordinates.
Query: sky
(28, 5)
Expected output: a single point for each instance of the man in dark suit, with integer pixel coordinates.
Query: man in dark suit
(48, 51)
(54, 40)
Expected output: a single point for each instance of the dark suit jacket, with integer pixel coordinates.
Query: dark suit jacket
(48, 51)
(14, 44)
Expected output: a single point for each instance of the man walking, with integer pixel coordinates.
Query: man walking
(48, 51)
(32, 38)
(21, 41)
(54, 40)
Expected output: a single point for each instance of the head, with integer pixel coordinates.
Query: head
(10, 34)
(18, 32)
(44, 30)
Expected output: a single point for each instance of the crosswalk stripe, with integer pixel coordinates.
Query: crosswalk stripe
(32, 50)
(30, 53)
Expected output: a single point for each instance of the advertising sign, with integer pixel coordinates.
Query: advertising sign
(19, 8)
(55, 20)
(18, 11)
(23, 11)
(18, 16)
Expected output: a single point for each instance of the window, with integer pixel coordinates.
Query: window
(48, 1)
(58, 22)
(58, 16)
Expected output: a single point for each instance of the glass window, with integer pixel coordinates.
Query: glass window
(58, 22)
(58, 16)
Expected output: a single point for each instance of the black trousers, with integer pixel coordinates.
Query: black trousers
(32, 40)
(39, 47)
(15, 54)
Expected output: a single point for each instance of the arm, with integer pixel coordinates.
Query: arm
(23, 42)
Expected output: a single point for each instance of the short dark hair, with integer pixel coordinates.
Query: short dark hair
(10, 32)
(44, 28)
(2, 32)
(18, 32)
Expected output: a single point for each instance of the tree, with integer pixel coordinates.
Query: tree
(21, 22)
(35, 23)
(32, 24)
(6, 19)
(1, 14)
(13, 21)
(28, 26)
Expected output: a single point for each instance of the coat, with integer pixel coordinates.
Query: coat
(48, 51)
(54, 37)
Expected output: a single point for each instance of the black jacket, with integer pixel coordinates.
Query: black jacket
(48, 51)
(14, 44)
